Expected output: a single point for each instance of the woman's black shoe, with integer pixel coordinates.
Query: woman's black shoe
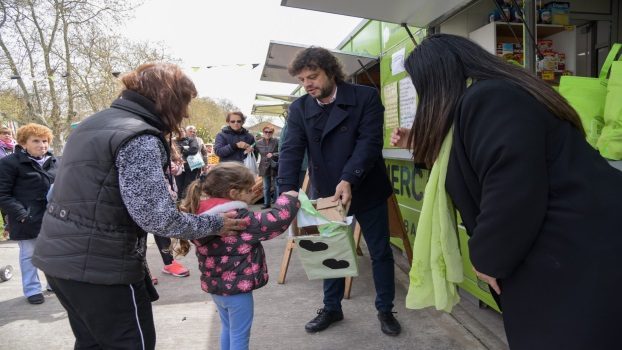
(323, 320)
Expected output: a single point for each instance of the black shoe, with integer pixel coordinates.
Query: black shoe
(388, 323)
(323, 319)
(265, 206)
(36, 299)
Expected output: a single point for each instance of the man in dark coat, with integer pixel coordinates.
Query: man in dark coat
(340, 125)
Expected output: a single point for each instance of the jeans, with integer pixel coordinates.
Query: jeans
(267, 184)
(375, 226)
(236, 319)
(30, 278)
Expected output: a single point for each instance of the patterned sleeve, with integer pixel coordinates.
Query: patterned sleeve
(144, 189)
(268, 224)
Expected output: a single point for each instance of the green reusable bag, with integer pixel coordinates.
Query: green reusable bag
(330, 254)
(587, 96)
(610, 140)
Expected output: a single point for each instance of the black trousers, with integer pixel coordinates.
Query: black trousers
(164, 244)
(107, 317)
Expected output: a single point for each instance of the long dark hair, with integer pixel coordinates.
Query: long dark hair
(439, 68)
(167, 86)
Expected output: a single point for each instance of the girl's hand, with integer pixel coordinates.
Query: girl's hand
(231, 225)
(291, 193)
(399, 137)
(492, 282)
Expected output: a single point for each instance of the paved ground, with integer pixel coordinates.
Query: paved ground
(187, 319)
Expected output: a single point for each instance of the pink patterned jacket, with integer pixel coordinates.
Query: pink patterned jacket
(237, 264)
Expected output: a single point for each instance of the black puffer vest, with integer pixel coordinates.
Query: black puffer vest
(87, 233)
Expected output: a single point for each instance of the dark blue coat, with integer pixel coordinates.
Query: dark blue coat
(345, 145)
(225, 147)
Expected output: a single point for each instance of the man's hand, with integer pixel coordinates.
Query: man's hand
(343, 191)
(242, 145)
(492, 282)
(291, 193)
(399, 137)
(249, 149)
(231, 226)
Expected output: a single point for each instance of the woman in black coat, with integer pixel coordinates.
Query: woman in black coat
(268, 149)
(234, 142)
(25, 178)
(540, 205)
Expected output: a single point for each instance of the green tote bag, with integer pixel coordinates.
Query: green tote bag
(587, 96)
(610, 140)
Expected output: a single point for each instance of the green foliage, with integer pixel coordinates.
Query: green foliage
(208, 116)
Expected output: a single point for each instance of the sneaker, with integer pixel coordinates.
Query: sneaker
(176, 269)
(36, 299)
(323, 320)
(388, 323)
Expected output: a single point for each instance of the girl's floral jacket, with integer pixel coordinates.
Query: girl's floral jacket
(237, 264)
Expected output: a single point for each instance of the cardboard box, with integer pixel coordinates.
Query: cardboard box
(325, 256)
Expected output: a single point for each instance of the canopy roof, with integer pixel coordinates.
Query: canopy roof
(280, 54)
(417, 13)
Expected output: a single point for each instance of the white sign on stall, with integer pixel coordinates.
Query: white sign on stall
(397, 61)
(408, 103)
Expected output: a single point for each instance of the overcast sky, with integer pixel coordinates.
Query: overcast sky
(221, 32)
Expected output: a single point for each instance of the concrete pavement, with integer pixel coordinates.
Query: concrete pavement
(186, 318)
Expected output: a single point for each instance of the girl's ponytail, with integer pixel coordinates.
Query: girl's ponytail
(190, 204)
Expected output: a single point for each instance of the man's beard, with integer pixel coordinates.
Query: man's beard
(326, 92)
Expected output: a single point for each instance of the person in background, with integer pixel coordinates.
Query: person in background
(191, 131)
(7, 145)
(111, 189)
(171, 266)
(25, 178)
(339, 125)
(187, 146)
(268, 148)
(232, 267)
(540, 205)
(233, 142)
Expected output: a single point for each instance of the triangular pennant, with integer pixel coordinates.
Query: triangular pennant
(255, 65)
(195, 68)
(208, 67)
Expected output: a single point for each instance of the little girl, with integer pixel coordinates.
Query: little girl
(231, 267)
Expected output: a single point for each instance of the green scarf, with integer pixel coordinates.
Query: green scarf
(437, 264)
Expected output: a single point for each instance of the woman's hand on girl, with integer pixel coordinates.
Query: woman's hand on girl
(231, 226)
(399, 137)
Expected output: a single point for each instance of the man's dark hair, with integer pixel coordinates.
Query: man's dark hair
(317, 57)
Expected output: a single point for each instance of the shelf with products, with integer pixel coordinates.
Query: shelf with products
(557, 43)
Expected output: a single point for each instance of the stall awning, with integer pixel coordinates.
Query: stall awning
(281, 54)
(270, 110)
(416, 13)
(275, 98)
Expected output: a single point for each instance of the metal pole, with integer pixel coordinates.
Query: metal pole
(529, 12)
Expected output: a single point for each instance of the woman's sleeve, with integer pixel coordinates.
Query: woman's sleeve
(8, 203)
(504, 134)
(221, 148)
(144, 190)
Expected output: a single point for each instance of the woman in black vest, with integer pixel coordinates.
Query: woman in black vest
(111, 190)
(25, 178)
